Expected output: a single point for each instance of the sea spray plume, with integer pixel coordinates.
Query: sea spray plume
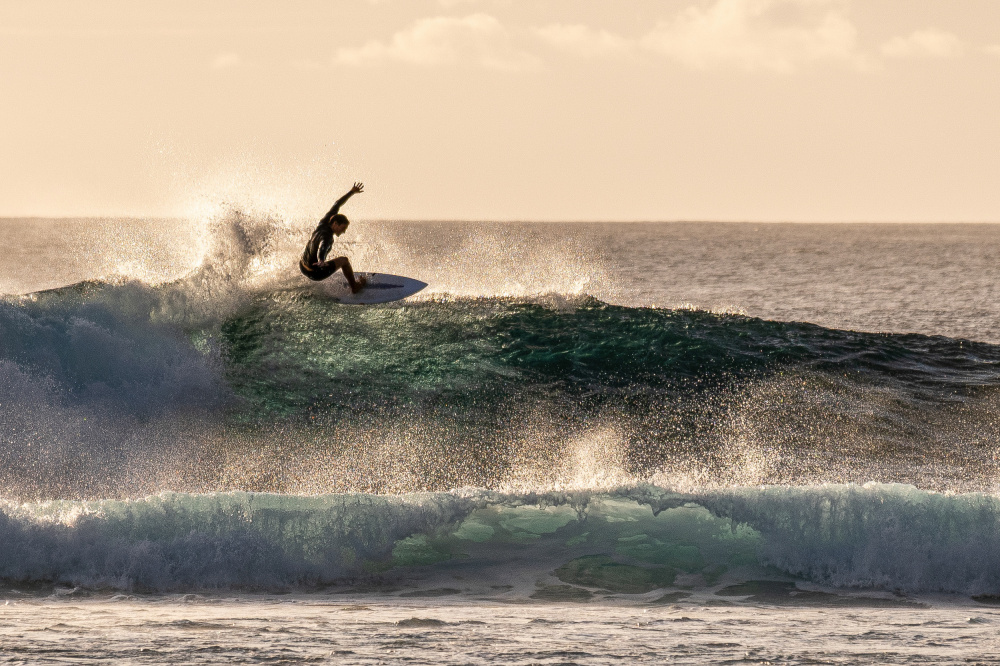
(800, 427)
(244, 253)
(385, 452)
(94, 394)
(372, 453)
(546, 457)
(98, 342)
(484, 260)
(495, 264)
(124, 377)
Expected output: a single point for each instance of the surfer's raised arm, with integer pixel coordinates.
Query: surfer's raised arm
(358, 188)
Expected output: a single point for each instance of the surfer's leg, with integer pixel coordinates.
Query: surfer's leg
(317, 272)
(344, 264)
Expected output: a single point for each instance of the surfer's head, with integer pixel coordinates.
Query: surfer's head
(339, 224)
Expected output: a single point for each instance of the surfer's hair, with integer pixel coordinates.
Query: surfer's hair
(339, 219)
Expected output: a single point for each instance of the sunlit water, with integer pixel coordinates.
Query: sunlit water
(323, 629)
(583, 443)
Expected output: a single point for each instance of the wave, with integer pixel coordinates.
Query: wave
(630, 540)
(286, 348)
(234, 429)
(240, 376)
(119, 388)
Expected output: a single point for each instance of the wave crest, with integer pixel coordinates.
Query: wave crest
(633, 540)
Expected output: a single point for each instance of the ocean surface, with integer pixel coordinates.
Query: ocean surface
(582, 443)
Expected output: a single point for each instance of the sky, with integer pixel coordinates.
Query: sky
(744, 110)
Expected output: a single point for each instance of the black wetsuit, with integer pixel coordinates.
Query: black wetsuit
(314, 264)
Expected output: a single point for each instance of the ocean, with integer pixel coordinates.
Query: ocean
(583, 443)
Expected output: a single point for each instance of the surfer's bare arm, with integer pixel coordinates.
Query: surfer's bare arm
(358, 188)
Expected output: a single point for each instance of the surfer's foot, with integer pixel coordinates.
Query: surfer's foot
(359, 284)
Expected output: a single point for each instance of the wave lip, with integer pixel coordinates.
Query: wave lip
(633, 541)
(223, 540)
(892, 537)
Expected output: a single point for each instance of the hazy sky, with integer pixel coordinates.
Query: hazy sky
(504, 109)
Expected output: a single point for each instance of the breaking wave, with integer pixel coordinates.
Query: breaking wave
(630, 540)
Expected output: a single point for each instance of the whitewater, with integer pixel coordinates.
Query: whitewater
(582, 443)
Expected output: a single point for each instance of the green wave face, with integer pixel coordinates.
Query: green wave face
(286, 354)
(289, 351)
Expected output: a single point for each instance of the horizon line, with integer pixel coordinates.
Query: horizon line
(54, 218)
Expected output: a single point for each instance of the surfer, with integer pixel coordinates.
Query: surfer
(314, 264)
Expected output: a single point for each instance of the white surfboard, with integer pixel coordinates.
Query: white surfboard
(381, 288)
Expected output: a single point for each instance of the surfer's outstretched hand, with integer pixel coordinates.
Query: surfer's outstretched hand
(359, 283)
(358, 187)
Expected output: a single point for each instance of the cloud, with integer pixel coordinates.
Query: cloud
(226, 61)
(754, 35)
(475, 40)
(776, 35)
(928, 43)
(586, 42)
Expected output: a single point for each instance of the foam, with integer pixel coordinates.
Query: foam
(892, 537)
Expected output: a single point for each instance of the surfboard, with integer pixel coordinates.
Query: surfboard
(381, 288)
